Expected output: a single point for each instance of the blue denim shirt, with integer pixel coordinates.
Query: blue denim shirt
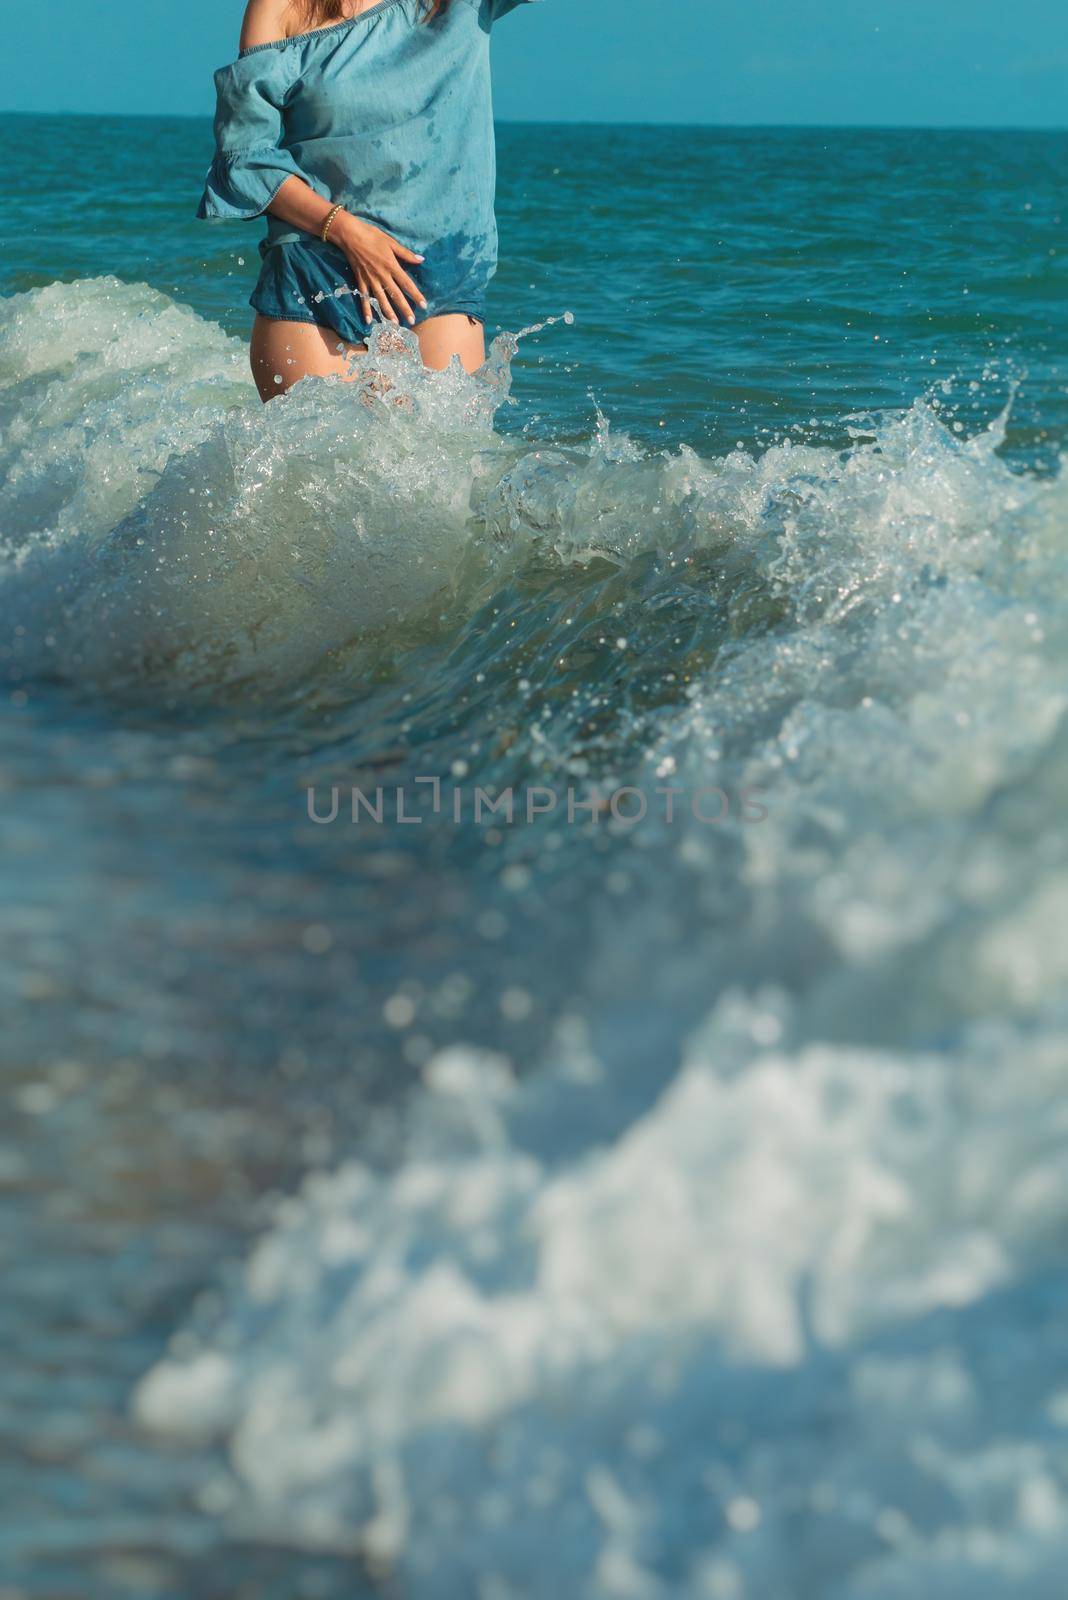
(387, 113)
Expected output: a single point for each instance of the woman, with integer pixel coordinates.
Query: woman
(364, 130)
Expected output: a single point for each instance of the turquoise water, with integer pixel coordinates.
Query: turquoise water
(574, 1204)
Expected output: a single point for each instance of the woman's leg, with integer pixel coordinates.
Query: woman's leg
(441, 338)
(284, 352)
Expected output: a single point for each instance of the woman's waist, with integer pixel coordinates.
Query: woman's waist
(446, 235)
(451, 264)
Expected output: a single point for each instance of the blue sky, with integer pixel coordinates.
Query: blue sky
(990, 63)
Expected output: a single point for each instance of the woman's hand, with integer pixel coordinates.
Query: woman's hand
(377, 261)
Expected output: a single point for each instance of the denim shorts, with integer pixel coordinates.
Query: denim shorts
(309, 281)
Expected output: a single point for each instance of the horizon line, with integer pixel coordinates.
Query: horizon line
(597, 122)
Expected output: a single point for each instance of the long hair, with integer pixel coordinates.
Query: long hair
(317, 13)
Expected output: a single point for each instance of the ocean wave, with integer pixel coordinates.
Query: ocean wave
(762, 1343)
(782, 1315)
(160, 526)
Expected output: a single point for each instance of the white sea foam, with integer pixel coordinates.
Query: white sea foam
(763, 1343)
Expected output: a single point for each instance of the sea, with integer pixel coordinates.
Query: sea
(532, 944)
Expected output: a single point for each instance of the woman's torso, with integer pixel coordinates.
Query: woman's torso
(392, 116)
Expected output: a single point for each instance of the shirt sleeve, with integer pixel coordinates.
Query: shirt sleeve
(501, 8)
(251, 163)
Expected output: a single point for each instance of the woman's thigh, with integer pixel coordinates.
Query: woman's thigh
(284, 352)
(441, 338)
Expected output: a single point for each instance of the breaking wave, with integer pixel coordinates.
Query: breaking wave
(778, 1314)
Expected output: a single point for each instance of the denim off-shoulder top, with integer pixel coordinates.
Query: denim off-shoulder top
(387, 113)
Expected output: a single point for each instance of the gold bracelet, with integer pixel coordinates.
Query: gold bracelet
(328, 224)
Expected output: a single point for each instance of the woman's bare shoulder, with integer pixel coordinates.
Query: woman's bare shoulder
(266, 21)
